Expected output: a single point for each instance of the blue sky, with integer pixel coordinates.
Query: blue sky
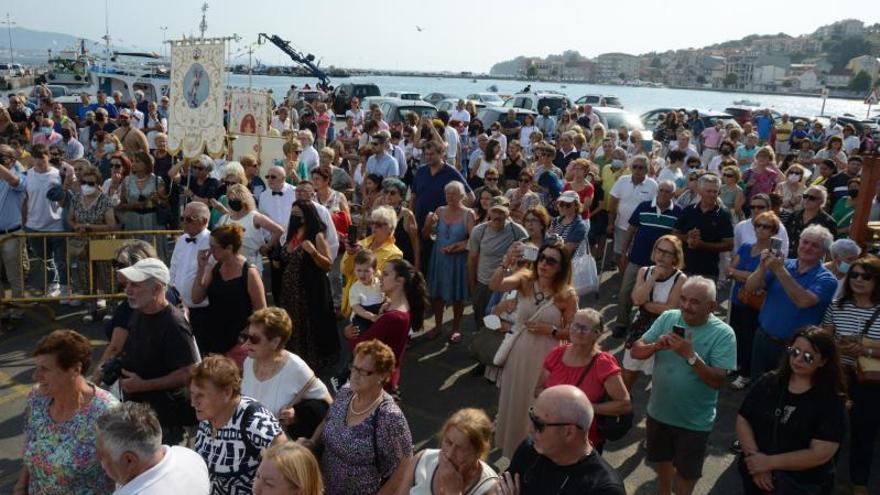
(457, 35)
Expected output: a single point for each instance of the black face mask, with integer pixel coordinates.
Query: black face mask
(295, 223)
(235, 204)
(726, 151)
(853, 193)
(55, 161)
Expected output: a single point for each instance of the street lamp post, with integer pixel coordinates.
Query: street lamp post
(9, 23)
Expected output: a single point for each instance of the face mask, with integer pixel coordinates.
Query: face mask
(46, 130)
(794, 179)
(853, 193)
(87, 190)
(616, 163)
(843, 267)
(726, 151)
(55, 161)
(109, 147)
(235, 204)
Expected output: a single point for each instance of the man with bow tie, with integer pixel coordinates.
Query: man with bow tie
(184, 263)
(276, 202)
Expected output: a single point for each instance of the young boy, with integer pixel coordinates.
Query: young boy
(365, 296)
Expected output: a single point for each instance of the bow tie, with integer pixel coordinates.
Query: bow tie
(277, 193)
(190, 239)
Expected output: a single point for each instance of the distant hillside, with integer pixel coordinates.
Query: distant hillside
(31, 46)
(507, 68)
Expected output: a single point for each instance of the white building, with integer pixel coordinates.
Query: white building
(612, 65)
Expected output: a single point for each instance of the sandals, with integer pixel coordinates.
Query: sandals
(455, 338)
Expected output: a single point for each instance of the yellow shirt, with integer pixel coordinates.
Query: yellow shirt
(783, 131)
(385, 252)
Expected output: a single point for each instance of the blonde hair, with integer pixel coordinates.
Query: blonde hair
(240, 191)
(236, 169)
(475, 425)
(766, 151)
(386, 215)
(298, 465)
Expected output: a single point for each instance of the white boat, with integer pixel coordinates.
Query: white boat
(747, 103)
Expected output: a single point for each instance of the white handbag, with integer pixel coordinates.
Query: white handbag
(584, 275)
(511, 337)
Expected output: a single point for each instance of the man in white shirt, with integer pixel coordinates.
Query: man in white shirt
(628, 192)
(129, 447)
(275, 203)
(184, 263)
(282, 122)
(460, 114)
(450, 134)
(309, 154)
(683, 143)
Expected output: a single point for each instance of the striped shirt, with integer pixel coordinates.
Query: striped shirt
(652, 223)
(849, 319)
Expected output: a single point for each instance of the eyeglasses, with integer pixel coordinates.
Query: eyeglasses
(491, 179)
(580, 327)
(361, 371)
(758, 207)
(729, 176)
(249, 337)
(189, 219)
(549, 260)
(867, 277)
(116, 165)
(539, 425)
(765, 226)
(228, 183)
(794, 352)
(270, 177)
(666, 252)
(810, 197)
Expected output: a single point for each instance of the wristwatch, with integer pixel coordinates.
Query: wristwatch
(555, 330)
(693, 359)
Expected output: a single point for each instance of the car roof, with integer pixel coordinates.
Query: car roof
(611, 110)
(704, 112)
(406, 103)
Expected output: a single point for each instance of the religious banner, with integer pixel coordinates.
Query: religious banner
(267, 150)
(249, 112)
(195, 120)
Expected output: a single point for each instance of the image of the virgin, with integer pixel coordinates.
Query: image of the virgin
(196, 85)
(248, 124)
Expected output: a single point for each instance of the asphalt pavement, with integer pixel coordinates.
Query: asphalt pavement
(436, 381)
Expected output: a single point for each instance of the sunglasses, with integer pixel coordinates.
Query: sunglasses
(758, 207)
(539, 425)
(186, 219)
(580, 327)
(270, 176)
(729, 176)
(810, 197)
(227, 183)
(549, 260)
(666, 252)
(765, 226)
(867, 277)
(794, 352)
(249, 337)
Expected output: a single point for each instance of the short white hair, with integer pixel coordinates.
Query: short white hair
(821, 233)
(130, 427)
(458, 186)
(845, 248)
(307, 134)
(386, 215)
(708, 285)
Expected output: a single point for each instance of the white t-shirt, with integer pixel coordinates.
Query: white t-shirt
(357, 116)
(461, 116)
(451, 143)
(629, 197)
(744, 233)
(277, 392)
(43, 215)
(180, 470)
(309, 156)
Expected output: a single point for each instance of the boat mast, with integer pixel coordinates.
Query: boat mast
(203, 26)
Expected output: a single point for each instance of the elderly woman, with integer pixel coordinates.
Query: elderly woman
(792, 188)
(744, 316)
(256, 226)
(583, 364)
(458, 466)
(197, 183)
(657, 289)
(843, 253)
(91, 211)
(730, 193)
(851, 318)
(406, 232)
(296, 169)
(59, 432)
(278, 378)
(143, 192)
(447, 268)
(812, 211)
(545, 305)
(522, 198)
(232, 285)
(833, 151)
(306, 288)
(381, 243)
(232, 173)
(795, 453)
(120, 168)
(288, 468)
(569, 225)
(845, 208)
(233, 429)
(365, 435)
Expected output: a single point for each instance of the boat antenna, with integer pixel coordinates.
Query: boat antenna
(203, 26)
(9, 23)
(107, 30)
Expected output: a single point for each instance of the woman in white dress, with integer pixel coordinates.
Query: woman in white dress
(257, 227)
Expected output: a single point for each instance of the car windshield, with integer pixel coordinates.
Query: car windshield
(622, 119)
(612, 101)
(420, 111)
(588, 100)
(490, 97)
(557, 105)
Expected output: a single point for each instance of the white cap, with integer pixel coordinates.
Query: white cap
(568, 197)
(125, 112)
(147, 268)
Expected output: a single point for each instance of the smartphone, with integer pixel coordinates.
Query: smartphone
(678, 330)
(530, 253)
(776, 246)
(352, 235)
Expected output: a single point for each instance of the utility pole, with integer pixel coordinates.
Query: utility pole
(164, 29)
(9, 23)
(203, 26)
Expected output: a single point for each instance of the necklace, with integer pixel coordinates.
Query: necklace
(364, 411)
(539, 295)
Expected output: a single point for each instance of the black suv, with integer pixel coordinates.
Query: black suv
(343, 93)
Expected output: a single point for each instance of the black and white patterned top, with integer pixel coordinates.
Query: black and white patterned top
(231, 464)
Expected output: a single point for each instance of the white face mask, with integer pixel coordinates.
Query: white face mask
(87, 190)
(794, 178)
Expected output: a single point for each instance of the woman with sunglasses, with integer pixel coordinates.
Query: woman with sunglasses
(381, 242)
(731, 194)
(406, 231)
(852, 318)
(569, 225)
(583, 364)
(536, 222)
(546, 303)
(744, 318)
(522, 198)
(812, 211)
(792, 421)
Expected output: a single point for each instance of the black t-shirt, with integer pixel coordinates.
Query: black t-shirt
(838, 187)
(157, 345)
(540, 476)
(715, 226)
(814, 414)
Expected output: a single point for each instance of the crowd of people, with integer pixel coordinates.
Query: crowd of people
(260, 350)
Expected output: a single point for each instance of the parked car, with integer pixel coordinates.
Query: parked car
(489, 99)
(435, 98)
(343, 93)
(744, 114)
(859, 124)
(450, 103)
(536, 101)
(599, 101)
(11, 70)
(651, 118)
(404, 95)
(615, 118)
(490, 114)
(394, 110)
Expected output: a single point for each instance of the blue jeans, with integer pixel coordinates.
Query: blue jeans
(766, 354)
(53, 251)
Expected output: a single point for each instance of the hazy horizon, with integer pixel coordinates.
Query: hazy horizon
(456, 35)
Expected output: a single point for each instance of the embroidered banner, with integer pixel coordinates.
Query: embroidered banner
(249, 112)
(195, 120)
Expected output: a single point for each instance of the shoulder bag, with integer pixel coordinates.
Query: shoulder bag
(584, 274)
(610, 427)
(868, 368)
(511, 337)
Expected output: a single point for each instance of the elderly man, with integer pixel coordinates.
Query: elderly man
(784, 128)
(164, 107)
(133, 139)
(711, 138)
(275, 203)
(46, 134)
(706, 230)
(308, 155)
(558, 457)
(588, 119)
(683, 143)
(12, 196)
(798, 291)
(105, 105)
(159, 350)
(184, 265)
(546, 123)
(627, 193)
(488, 243)
(510, 127)
(129, 446)
(650, 221)
(693, 352)
(566, 151)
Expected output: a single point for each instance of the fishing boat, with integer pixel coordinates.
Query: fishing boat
(747, 103)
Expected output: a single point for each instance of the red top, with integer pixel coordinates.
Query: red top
(593, 384)
(392, 329)
(583, 194)
(323, 122)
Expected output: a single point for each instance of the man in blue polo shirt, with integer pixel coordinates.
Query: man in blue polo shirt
(12, 191)
(798, 291)
(428, 188)
(764, 125)
(381, 162)
(650, 221)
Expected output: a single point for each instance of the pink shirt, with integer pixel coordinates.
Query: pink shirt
(40, 138)
(323, 123)
(712, 137)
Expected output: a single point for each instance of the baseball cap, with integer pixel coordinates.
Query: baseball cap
(147, 268)
(500, 203)
(568, 197)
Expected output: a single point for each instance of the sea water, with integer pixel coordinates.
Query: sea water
(634, 99)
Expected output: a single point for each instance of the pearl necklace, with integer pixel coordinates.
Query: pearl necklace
(361, 413)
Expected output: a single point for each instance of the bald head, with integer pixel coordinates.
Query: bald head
(569, 404)
(275, 169)
(197, 209)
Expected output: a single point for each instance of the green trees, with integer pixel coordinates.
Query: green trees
(861, 82)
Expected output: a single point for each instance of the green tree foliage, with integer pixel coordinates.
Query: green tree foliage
(730, 79)
(532, 71)
(840, 52)
(861, 82)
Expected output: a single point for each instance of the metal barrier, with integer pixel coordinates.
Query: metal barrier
(100, 249)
